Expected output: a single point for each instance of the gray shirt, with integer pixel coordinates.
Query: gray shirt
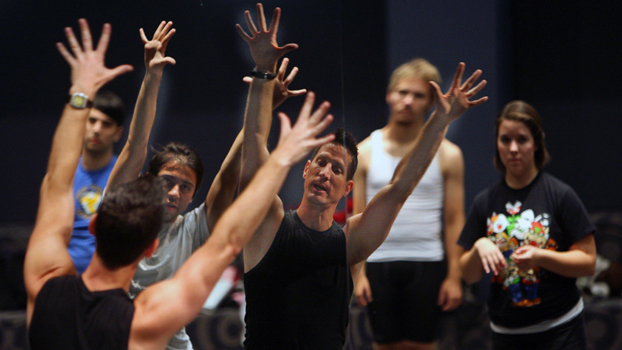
(177, 242)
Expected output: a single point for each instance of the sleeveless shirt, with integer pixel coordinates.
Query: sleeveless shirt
(416, 232)
(298, 295)
(69, 316)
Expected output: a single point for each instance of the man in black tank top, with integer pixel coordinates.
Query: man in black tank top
(296, 265)
(92, 311)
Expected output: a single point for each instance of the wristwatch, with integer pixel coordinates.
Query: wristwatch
(79, 100)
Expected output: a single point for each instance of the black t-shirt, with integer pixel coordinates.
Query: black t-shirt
(547, 214)
(69, 316)
(298, 295)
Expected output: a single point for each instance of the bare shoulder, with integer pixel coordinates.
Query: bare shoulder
(364, 156)
(450, 157)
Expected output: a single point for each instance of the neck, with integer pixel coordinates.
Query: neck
(518, 182)
(98, 277)
(95, 160)
(403, 132)
(316, 217)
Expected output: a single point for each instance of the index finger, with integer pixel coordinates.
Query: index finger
(102, 45)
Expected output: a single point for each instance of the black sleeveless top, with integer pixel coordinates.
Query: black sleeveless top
(298, 295)
(69, 316)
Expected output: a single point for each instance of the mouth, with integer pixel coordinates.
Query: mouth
(320, 188)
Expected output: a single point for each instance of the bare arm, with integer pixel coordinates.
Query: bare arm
(362, 288)
(579, 260)
(167, 306)
(223, 188)
(132, 157)
(452, 164)
(266, 52)
(366, 231)
(47, 255)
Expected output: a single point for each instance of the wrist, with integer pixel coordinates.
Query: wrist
(264, 75)
(88, 91)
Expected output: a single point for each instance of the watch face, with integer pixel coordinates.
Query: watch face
(78, 101)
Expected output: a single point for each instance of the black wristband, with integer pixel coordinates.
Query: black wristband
(263, 75)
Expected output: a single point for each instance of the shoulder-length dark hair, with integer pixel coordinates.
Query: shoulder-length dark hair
(523, 112)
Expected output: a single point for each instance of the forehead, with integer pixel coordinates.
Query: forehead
(181, 172)
(335, 153)
(99, 115)
(509, 126)
(412, 84)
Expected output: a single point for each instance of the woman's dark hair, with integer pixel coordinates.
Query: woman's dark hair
(523, 112)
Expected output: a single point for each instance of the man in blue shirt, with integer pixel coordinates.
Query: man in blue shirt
(104, 127)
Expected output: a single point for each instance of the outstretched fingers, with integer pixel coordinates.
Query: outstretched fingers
(455, 83)
(261, 18)
(85, 32)
(104, 39)
(276, 18)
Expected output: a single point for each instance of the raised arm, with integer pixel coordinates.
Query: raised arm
(366, 231)
(165, 307)
(132, 157)
(258, 118)
(47, 255)
(223, 188)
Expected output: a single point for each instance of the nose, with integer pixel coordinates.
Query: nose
(408, 99)
(174, 191)
(513, 146)
(325, 170)
(97, 127)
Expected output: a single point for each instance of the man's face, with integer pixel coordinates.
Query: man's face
(326, 175)
(409, 100)
(101, 132)
(180, 182)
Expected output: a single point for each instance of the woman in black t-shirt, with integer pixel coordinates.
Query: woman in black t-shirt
(533, 233)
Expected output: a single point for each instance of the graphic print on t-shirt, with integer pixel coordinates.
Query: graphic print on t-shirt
(511, 232)
(89, 197)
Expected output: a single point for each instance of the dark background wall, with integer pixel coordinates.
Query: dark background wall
(562, 57)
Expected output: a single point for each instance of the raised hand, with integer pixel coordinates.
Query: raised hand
(88, 72)
(296, 142)
(155, 48)
(281, 86)
(456, 101)
(262, 42)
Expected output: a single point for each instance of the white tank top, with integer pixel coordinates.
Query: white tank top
(416, 233)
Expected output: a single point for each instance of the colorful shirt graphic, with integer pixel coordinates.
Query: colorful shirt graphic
(511, 232)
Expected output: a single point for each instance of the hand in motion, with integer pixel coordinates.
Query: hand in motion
(525, 257)
(296, 142)
(450, 294)
(262, 42)
(155, 48)
(88, 72)
(456, 101)
(362, 291)
(281, 86)
(492, 259)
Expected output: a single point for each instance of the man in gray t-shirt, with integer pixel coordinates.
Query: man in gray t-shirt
(182, 171)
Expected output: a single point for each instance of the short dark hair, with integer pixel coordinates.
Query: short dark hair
(111, 105)
(184, 155)
(347, 140)
(523, 112)
(129, 220)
